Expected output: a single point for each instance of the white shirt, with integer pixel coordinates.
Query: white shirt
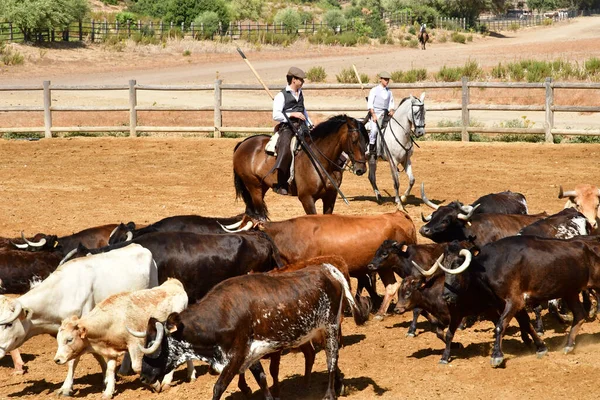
(279, 102)
(380, 99)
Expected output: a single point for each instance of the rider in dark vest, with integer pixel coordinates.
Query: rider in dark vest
(291, 101)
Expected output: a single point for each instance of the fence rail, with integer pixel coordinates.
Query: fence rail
(219, 89)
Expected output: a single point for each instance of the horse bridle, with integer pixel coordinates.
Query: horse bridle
(411, 131)
(348, 153)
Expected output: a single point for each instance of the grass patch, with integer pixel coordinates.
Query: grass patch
(347, 75)
(316, 74)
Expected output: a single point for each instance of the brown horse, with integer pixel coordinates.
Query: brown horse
(253, 167)
(423, 39)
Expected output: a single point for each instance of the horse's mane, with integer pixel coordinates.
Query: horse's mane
(403, 100)
(332, 125)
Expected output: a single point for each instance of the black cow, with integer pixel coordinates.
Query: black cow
(202, 261)
(521, 271)
(244, 318)
(565, 224)
(91, 238)
(20, 269)
(178, 223)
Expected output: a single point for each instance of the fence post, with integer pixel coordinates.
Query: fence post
(80, 30)
(132, 108)
(47, 112)
(465, 109)
(10, 30)
(93, 31)
(218, 103)
(192, 29)
(549, 119)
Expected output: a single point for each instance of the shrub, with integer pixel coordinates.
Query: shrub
(207, 24)
(449, 74)
(316, 74)
(443, 38)
(334, 18)
(410, 76)
(538, 71)
(458, 38)
(281, 39)
(347, 75)
(124, 17)
(499, 71)
(472, 70)
(289, 18)
(592, 66)
(386, 40)
(413, 43)
(9, 56)
(412, 30)
(187, 53)
(514, 26)
(516, 71)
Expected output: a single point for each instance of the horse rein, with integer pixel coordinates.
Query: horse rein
(411, 131)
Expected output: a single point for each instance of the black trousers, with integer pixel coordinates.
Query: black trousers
(284, 154)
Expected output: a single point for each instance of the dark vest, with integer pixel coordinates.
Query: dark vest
(290, 104)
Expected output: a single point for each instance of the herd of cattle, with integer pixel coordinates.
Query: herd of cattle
(255, 289)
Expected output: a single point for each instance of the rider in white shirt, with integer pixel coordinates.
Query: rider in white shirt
(380, 102)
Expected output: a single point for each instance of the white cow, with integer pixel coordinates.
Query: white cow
(104, 331)
(74, 289)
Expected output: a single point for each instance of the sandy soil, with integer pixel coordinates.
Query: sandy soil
(64, 185)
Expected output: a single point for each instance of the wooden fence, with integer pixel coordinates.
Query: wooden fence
(220, 89)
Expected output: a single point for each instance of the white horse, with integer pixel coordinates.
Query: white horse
(398, 144)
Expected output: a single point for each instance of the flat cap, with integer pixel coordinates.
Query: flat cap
(385, 74)
(297, 72)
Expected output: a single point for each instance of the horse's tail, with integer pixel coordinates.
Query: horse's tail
(241, 191)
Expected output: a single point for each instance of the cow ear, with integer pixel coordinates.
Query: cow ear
(475, 250)
(131, 225)
(404, 248)
(27, 313)
(173, 322)
(83, 332)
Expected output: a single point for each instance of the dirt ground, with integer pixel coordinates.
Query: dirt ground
(64, 185)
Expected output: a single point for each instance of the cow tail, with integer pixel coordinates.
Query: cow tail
(275, 254)
(361, 307)
(241, 191)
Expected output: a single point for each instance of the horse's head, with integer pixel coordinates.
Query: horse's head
(417, 114)
(356, 145)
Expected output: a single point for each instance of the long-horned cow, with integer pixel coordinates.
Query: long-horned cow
(586, 199)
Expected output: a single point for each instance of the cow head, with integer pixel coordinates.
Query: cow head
(39, 242)
(586, 199)
(387, 255)
(72, 340)
(15, 323)
(122, 233)
(447, 222)
(455, 262)
(159, 355)
(407, 294)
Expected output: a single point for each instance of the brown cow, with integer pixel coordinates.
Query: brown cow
(586, 199)
(352, 237)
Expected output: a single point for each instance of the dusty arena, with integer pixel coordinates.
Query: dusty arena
(60, 186)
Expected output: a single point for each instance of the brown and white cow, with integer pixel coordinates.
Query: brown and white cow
(355, 238)
(104, 331)
(247, 317)
(586, 199)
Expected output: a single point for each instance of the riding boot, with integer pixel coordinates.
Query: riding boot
(372, 151)
(282, 186)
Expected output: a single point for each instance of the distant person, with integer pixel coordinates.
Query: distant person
(291, 101)
(380, 104)
(423, 28)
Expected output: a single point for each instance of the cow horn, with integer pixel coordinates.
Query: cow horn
(425, 218)
(467, 255)
(33, 244)
(113, 231)
(67, 257)
(466, 217)
(20, 245)
(137, 334)
(248, 225)
(425, 199)
(233, 226)
(568, 193)
(160, 332)
(598, 192)
(467, 209)
(432, 269)
(14, 315)
(129, 236)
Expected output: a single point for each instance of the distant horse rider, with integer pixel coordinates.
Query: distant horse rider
(291, 101)
(423, 29)
(381, 107)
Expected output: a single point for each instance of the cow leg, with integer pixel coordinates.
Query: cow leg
(332, 346)
(578, 317)
(373, 178)
(191, 371)
(274, 371)
(102, 362)
(261, 377)
(454, 322)
(309, 360)
(505, 318)
(243, 385)
(527, 329)
(17, 362)
(539, 324)
(109, 379)
(412, 329)
(364, 282)
(126, 366)
(391, 287)
(228, 373)
(308, 203)
(411, 179)
(67, 387)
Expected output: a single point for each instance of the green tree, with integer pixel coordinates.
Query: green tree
(334, 18)
(209, 21)
(289, 18)
(186, 11)
(541, 5)
(246, 9)
(32, 16)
